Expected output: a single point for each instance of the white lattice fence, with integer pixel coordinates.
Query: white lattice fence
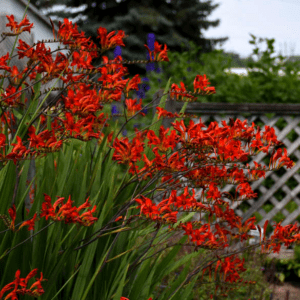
(278, 194)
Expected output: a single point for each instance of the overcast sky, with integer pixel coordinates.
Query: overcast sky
(278, 19)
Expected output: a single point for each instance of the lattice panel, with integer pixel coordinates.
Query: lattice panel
(279, 193)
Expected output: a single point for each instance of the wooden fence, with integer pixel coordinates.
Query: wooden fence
(278, 194)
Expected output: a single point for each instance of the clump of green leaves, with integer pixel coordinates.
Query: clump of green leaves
(262, 85)
(287, 269)
(204, 285)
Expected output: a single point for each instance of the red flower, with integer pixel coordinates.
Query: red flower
(147, 207)
(19, 151)
(200, 83)
(3, 62)
(82, 60)
(12, 213)
(210, 90)
(30, 223)
(107, 41)
(133, 84)
(47, 209)
(133, 107)
(163, 143)
(67, 212)
(180, 92)
(164, 113)
(188, 228)
(15, 27)
(285, 161)
(39, 289)
(245, 190)
(118, 218)
(70, 124)
(35, 140)
(213, 192)
(126, 152)
(87, 219)
(162, 54)
(23, 282)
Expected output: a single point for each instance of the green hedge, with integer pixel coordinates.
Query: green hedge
(262, 85)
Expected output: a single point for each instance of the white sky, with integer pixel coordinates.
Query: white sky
(278, 19)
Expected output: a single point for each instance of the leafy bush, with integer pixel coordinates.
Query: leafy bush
(287, 269)
(205, 285)
(262, 85)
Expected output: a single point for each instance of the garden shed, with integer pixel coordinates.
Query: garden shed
(42, 29)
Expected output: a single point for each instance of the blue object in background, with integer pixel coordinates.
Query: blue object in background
(117, 52)
(150, 43)
(145, 110)
(114, 110)
(151, 66)
(144, 85)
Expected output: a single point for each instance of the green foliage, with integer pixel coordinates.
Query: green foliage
(236, 60)
(204, 286)
(106, 259)
(262, 85)
(81, 262)
(287, 269)
(173, 23)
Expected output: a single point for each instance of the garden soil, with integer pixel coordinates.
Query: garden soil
(286, 290)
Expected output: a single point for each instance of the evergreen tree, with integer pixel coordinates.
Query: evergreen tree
(173, 22)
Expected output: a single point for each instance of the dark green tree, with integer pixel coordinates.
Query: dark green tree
(236, 60)
(173, 22)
